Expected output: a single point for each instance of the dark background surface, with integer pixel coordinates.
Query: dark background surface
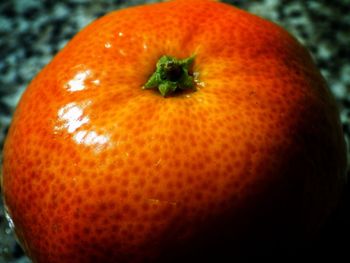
(32, 31)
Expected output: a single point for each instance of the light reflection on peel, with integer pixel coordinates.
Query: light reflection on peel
(96, 82)
(78, 82)
(82, 79)
(158, 202)
(90, 138)
(108, 45)
(145, 46)
(72, 118)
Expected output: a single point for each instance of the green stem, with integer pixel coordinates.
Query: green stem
(171, 74)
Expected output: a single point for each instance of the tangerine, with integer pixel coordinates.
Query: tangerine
(241, 145)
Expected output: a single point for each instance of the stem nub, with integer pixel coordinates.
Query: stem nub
(171, 74)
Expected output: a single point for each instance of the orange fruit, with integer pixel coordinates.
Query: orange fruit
(245, 148)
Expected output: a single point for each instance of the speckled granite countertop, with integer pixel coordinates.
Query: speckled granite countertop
(32, 31)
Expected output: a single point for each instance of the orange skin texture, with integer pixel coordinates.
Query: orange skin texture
(96, 169)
